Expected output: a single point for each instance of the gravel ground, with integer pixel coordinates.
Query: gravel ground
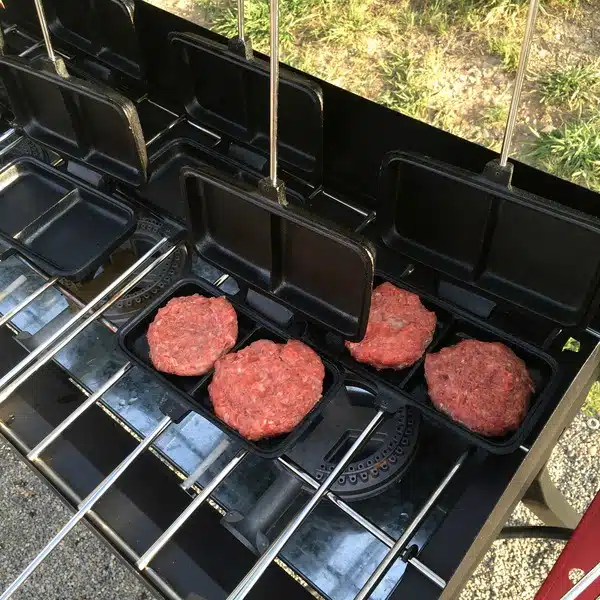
(81, 568)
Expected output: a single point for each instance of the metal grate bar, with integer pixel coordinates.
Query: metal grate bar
(377, 532)
(393, 554)
(143, 562)
(26, 302)
(85, 507)
(246, 585)
(16, 373)
(90, 401)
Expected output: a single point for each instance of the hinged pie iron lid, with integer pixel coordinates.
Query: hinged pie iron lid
(291, 256)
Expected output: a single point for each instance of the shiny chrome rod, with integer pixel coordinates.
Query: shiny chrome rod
(274, 92)
(246, 585)
(378, 533)
(32, 356)
(12, 287)
(27, 301)
(72, 334)
(90, 401)
(39, 7)
(206, 464)
(85, 507)
(520, 78)
(144, 560)
(394, 552)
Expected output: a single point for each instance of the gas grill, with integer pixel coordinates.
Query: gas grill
(379, 495)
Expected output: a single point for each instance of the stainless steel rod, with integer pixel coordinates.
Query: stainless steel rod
(246, 585)
(27, 301)
(144, 560)
(583, 584)
(32, 356)
(8, 133)
(240, 20)
(90, 401)
(39, 7)
(274, 91)
(378, 533)
(520, 78)
(73, 333)
(11, 145)
(84, 508)
(206, 463)
(12, 287)
(394, 552)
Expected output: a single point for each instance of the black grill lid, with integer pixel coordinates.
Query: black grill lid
(226, 92)
(520, 247)
(304, 263)
(86, 121)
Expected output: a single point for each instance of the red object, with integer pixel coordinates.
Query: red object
(483, 385)
(266, 389)
(399, 329)
(190, 333)
(582, 552)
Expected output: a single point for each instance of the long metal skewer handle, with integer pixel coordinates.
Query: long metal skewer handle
(378, 533)
(206, 464)
(246, 585)
(27, 301)
(583, 584)
(39, 7)
(521, 71)
(274, 92)
(90, 401)
(32, 356)
(241, 22)
(72, 334)
(144, 561)
(394, 552)
(85, 507)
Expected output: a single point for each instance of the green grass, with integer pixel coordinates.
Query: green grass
(591, 407)
(572, 152)
(573, 87)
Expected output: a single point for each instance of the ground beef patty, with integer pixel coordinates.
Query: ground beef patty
(399, 329)
(483, 385)
(266, 389)
(189, 333)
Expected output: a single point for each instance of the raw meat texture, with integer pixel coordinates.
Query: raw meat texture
(190, 333)
(266, 389)
(483, 385)
(399, 329)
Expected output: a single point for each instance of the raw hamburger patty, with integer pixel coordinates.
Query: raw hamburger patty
(189, 333)
(483, 385)
(398, 331)
(266, 389)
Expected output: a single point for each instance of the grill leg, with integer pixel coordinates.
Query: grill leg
(545, 501)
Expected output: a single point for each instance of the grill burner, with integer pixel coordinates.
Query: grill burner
(148, 233)
(380, 463)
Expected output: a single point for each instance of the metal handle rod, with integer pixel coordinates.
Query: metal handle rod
(85, 507)
(144, 560)
(39, 7)
(240, 20)
(27, 301)
(10, 388)
(206, 464)
(15, 371)
(274, 91)
(583, 584)
(12, 287)
(520, 78)
(394, 552)
(378, 533)
(246, 585)
(90, 401)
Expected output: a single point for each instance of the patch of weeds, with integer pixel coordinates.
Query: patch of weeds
(293, 14)
(571, 152)
(572, 87)
(507, 48)
(439, 15)
(343, 21)
(408, 85)
(591, 406)
(495, 116)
